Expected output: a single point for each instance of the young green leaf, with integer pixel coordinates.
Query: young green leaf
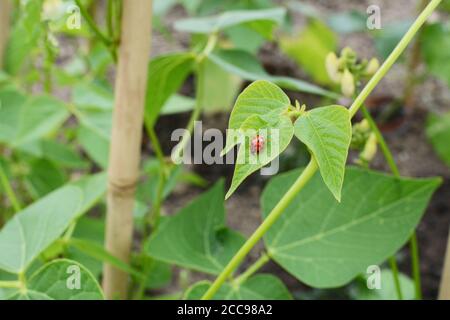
(435, 46)
(36, 227)
(260, 98)
(61, 280)
(196, 237)
(327, 132)
(262, 21)
(438, 132)
(44, 177)
(326, 244)
(166, 74)
(258, 287)
(276, 138)
(247, 66)
(387, 290)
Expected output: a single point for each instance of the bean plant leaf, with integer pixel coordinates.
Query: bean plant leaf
(61, 280)
(196, 237)
(326, 244)
(276, 139)
(166, 74)
(261, 98)
(263, 21)
(247, 66)
(327, 132)
(36, 227)
(25, 119)
(257, 287)
(438, 132)
(310, 48)
(387, 291)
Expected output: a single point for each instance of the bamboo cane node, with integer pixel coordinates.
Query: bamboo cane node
(123, 190)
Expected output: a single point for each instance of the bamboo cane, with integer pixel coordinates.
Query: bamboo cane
(444, 289)
(5, 14)
(126, 139)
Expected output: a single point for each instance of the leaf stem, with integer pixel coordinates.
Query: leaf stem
(414, 249)
(262, 260)
(9, 190)
(10, 284)
(312, 166)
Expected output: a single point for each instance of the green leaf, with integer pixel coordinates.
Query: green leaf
(387, 290)
(36, 227)
(166, 74)
(95, 144)
(24, 37)
(276, 139)
(262, 21)
(327, 132)
(196, 237)
(178, 104)
(310, 48)
(97, 251)
(62, 154)
(259, 98)
(326, 244)
(53, 282)
(438, 132)
(44, 177)
(387, 38)
(435, 45)
(247, 66)
(92, 96)
(258, 287)
(23, 120)
(348, 22)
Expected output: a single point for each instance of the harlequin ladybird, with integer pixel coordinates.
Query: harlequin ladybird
(257, 144)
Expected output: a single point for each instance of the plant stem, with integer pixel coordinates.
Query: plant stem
(126, 139)
(414, 249)
(109, 43)
(177, 154)
(9, 190)
(276, 212)
(312, 166)
(252, 269)
(415, 261)
(401, 46)
(10, 284)
(444, 287)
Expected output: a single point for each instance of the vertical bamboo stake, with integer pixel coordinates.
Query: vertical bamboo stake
(126, 137)
(5, 14)
(444, 290)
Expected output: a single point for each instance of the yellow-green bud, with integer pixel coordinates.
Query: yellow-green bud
(348, 84)
(370, 149)
(372, 67)
(332, 66)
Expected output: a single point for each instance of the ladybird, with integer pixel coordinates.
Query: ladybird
(257, 144)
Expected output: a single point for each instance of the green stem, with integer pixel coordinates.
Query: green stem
(10, 284)
(252, 269)
(395, 273)
(9, 190)
(276, 212)
(414, 249)
(413, 241)
(312, 167)
(401, 46)
(200, 88)
(109, 43)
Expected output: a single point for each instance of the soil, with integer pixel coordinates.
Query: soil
(411, 149)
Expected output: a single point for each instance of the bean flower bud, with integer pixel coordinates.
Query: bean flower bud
(370, 149)
(348, 84)
(372, 67)
(332, 66)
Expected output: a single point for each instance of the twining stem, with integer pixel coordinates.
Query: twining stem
(413, 241)
(109, 43)
(9, 190)
(312, 166)
(252, 269)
